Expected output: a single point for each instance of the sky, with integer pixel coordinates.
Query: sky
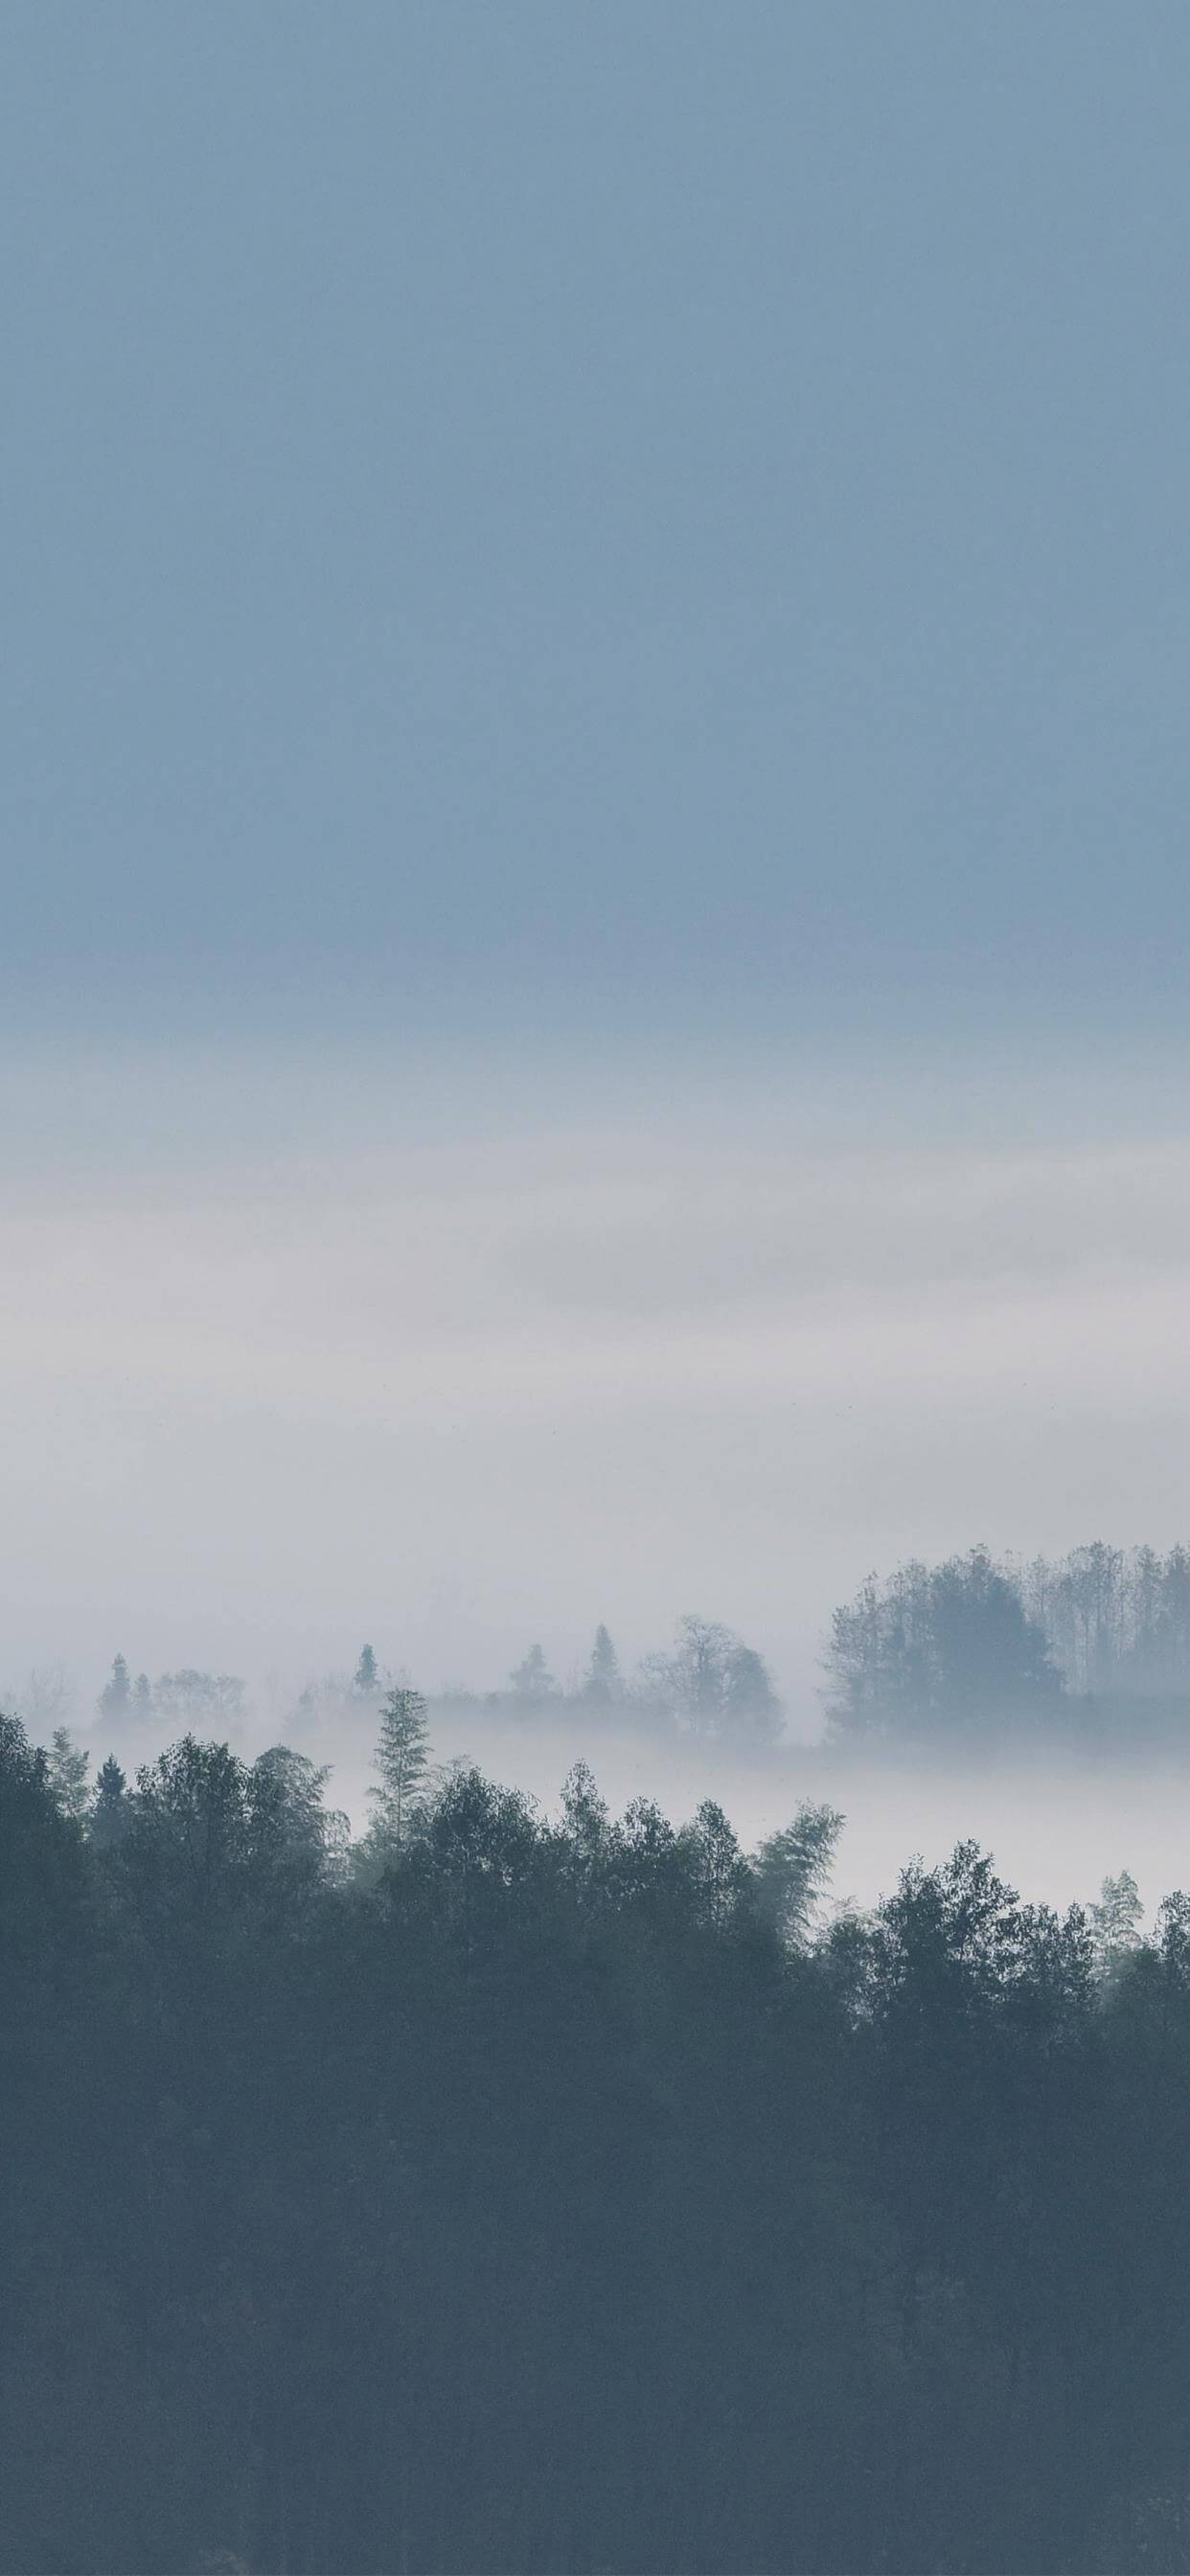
(593, 795)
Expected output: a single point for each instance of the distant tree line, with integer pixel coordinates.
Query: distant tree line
(569, 2195)
(1093, 1648)
(709, 1684)
(1089, 1648)
(188, 1696)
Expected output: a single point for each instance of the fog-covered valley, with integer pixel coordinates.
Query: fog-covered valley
(1042, 1711)
(1056, 1824)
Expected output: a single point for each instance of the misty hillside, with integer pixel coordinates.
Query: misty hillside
(570, 2194)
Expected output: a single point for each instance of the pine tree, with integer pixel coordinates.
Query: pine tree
(603, 1673)
(68, 1768)
(110, 1809)
(402, 1760)
(367, 1676)
(116, 1693)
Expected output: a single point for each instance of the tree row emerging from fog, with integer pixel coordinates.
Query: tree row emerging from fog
(708, 1684)
(570, 2195)
(1093, 1648)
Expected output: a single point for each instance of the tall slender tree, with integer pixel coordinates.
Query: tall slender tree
(603, 1683)
(402, 1761)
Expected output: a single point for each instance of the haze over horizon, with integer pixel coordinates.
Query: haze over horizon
(594, 804)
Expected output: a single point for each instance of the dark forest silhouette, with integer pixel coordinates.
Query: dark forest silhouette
(507, 2192)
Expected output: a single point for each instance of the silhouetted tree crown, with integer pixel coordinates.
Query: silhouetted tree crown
(945, 1650)
(793, 1869)
(714, 1685)
(117, 1690)
(402, 1762)
(603, 1683)
(111, 1812)
(972, 1650)
(532, 1679)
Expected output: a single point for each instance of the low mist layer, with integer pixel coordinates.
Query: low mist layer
(1045, 1707)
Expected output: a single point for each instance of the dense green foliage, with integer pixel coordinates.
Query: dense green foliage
(560, 2199)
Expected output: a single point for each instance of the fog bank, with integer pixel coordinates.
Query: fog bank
(459, 1365)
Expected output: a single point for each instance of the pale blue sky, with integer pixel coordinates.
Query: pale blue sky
(537, 516)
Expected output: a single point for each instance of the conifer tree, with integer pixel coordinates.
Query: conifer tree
(603, 1672)
(110, 1810)
(402, 1760)
(68, 1768)
(116, 1693)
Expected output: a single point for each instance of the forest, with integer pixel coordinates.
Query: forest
(527, 2191)
(1091, 1652)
